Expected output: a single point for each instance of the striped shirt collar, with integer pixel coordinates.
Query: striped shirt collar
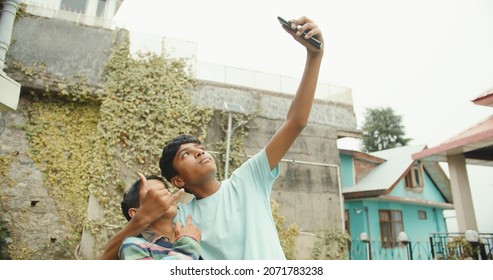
(152, 237)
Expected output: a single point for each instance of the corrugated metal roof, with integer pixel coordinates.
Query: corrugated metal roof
(384, 176)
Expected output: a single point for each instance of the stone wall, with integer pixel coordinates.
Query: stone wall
(25, 204)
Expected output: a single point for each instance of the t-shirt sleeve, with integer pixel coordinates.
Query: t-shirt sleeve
(258, 172)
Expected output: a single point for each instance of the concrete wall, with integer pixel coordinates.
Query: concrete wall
(274, 105)
(25, 204)
(66, 49)
(308, 193)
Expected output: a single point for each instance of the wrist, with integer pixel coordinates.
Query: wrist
(315, 54)
(140, 222)
(186, 235)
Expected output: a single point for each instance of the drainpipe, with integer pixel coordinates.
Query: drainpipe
(7, 18)
(341, 198)
(10, 90)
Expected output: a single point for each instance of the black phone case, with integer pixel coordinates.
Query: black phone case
(312, 40)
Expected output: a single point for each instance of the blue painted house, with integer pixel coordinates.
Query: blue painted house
(387, 193)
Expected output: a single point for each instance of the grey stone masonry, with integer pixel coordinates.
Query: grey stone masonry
(273, 105)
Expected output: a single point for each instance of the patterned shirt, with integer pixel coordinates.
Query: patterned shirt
(151, 246)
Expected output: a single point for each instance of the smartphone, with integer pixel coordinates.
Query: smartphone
(312, 40)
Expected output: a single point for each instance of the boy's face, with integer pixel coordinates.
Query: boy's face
(193, 164)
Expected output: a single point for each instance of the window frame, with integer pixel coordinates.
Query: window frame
(423, 217)
(388, 226)
(74, 6)
(414, 178)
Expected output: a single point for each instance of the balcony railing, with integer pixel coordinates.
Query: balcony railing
(441, 246)
(457, 246)
(377, 250)
(73, 16)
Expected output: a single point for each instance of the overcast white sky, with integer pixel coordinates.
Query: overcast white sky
(425, 59)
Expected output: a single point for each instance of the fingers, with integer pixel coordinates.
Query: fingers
(176, 196)
(313, 31)
(189, 229)
(294, 26)
(301, 21)
(306, 25)
(142, 185)
(178, 228)
(291, 31)
(153, 192)
(307, 33)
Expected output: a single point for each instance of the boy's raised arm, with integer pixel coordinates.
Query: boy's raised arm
(299, 110)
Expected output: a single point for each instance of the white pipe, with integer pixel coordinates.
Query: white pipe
(7, 18)
(228, 143)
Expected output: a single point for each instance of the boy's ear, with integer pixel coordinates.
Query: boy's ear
(177, 182)
(132, 211)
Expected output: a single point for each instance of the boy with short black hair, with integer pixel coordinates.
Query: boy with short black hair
(162, 240)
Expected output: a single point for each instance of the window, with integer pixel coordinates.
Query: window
(414, 178)
(101, 6)
(78, 6)
(390, 226)
(422, 215)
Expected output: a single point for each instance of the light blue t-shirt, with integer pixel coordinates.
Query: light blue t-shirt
(236, 221)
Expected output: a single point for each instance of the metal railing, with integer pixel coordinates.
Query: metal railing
(377, 250)
(72, 16)
(441, 246)
(453, 246)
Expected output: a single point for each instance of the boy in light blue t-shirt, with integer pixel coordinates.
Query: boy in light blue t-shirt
(234, 215)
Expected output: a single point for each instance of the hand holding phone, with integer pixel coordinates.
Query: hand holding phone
(312, 40)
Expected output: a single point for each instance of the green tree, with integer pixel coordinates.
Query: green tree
(382, 129)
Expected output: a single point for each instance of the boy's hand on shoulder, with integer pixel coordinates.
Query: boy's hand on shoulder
(306, 24)
(189, 229)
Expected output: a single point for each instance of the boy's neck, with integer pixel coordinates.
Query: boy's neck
(205, 189)
(164, 227)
